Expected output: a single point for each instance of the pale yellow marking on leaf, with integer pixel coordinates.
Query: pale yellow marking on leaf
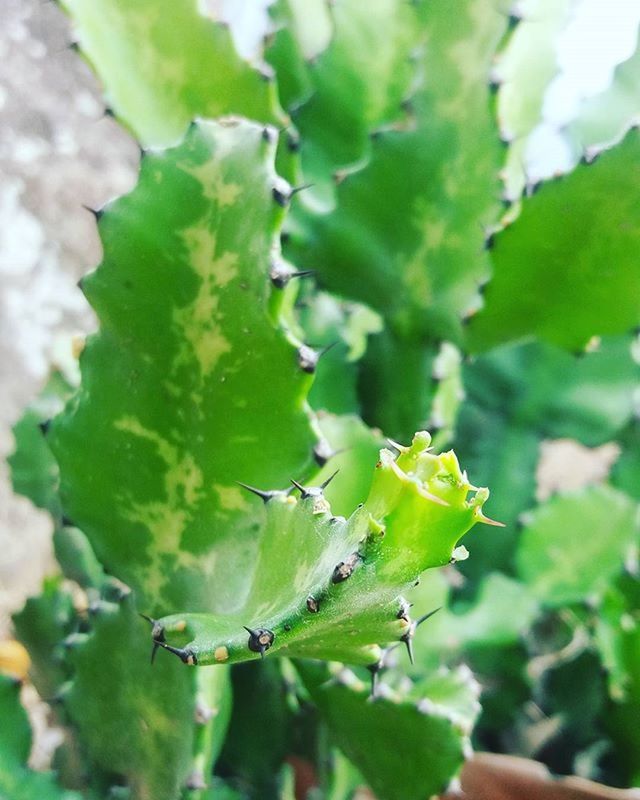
(214, 187)
(198, 325)
(166, 519)
(171, 72)
(231, 498)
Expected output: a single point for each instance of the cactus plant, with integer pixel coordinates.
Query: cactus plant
(246, 561)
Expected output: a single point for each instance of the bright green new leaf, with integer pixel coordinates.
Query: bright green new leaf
(574, 544)
(566, 269)
(329, 587)
(163, 64)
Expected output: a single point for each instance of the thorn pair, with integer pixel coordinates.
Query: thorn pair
(313, 491)
(280, 274)
(260, 640)
(186, 655)
(283, 195)
(308, 357)
(407, 638)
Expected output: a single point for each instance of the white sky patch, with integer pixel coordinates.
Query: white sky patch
(248, 20)
(599, 36)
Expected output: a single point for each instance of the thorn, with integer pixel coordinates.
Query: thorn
(425, 617)
(374, 669)
(313, 606)
(97, 213)
(157, 634)
(300, 488)
(297, 189)
(74, 47)
(263, 494)
(399, 447)
(283, 192)
(280, 274)
(488, 521)
(66, 521)
(185, 655)
(44, 426)
(325, 483)
(109, 112)
(260, 640)
(408, 640)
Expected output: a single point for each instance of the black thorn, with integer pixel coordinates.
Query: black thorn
(263, 494)
(300, 488)
(66, 521)
(74, 46)
(408, 640)
(185, 655)
(260, 640)
(313, 606)
(44, 426)
(374, 669)
(281, 196)
(325, 483)
(109, 112)
(304, 186)
(280, 274)
(154, 650)
(96, 212)
(157, 633)
(425, 617)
